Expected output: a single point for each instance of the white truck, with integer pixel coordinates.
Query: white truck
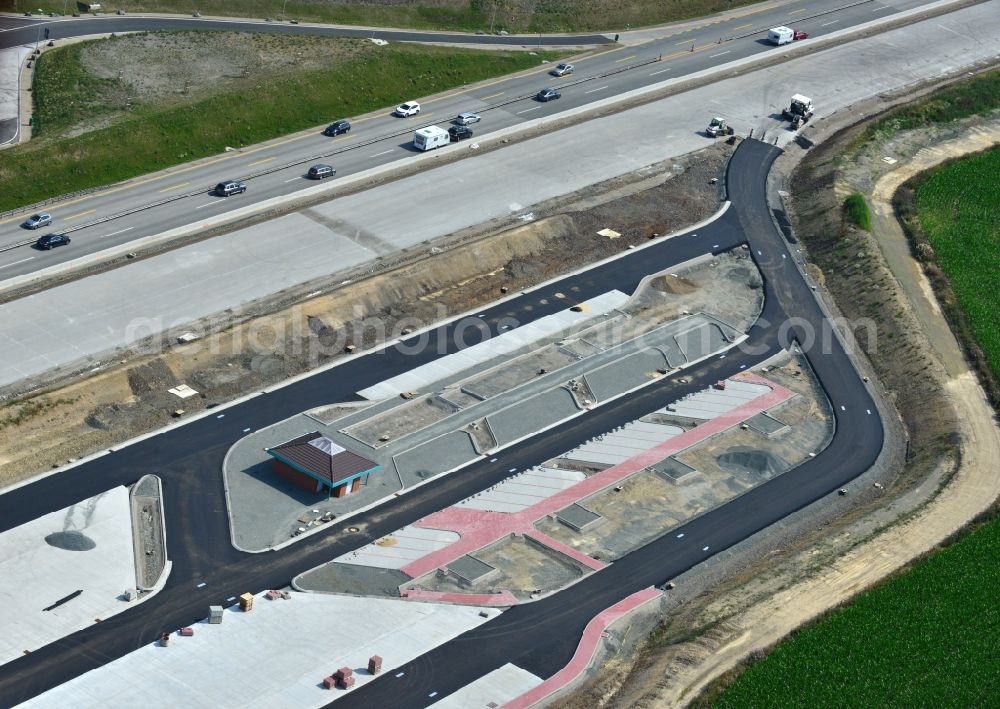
(780, 35)
(430, 137)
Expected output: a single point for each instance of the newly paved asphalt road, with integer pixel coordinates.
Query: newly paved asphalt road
(379, 139)
(540, 636)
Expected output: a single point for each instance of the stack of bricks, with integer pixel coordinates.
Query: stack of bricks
(344, 677)
(374, 665)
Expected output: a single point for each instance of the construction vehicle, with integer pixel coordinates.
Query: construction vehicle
(799, 111)
(718, 127)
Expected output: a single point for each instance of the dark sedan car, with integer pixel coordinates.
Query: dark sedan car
(337, 127)
(50, 241)
(458, 133)
(548, 95)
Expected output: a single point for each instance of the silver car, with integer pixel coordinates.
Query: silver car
(562, 70)
(38, 220)
(467, 118)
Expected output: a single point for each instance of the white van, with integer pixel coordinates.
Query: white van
(780, 35)
(430, 137)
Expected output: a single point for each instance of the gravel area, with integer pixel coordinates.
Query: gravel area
(147, 530)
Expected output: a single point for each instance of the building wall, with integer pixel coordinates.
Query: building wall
(286, 472)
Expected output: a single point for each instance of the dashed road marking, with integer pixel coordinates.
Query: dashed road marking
(174, 187)
(493, 460)
(661, 71)
(624, 59)
(207, 204)
(81, 214)
(17, 262)
(535, 108)
(512, 470)
(869, 411)
(491, 96)
(220, 416)
(843, 408)
(120, 231)
(599, 88)
(201, 585)
(297, 177)
(230, 599)
(400, 674)
(704, 548)
(264, 160)
(831, 22)
(384, 152)
(720, 54)
(681, 535)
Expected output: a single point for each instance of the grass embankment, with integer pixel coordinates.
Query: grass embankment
(929, 637)
(161, 133)
(454, 15)
(976, 96)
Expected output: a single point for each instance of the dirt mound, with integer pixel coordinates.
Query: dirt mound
(153, 377)
(675, 285)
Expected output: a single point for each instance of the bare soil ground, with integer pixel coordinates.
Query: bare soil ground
(954, 443)
(292, 333)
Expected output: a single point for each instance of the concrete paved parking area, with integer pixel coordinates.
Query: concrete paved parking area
(273, 656)
(64, 571)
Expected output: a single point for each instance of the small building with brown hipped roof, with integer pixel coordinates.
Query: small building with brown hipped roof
(313, 462)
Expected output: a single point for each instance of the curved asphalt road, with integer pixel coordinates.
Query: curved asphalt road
(540, 637)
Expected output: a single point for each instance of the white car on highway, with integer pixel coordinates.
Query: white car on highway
(404, 110)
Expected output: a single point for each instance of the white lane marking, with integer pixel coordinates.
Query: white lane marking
(230, 599)
(704, 548)
(759, 253)
(661, 71)
(493, 460)
(201, 585)
(783, 256)
(720, 54)
(246, 430)
(512, 470)
(869, 411)
(432, 695)
(209, 204)
(599, 88)
(120, 231)
(949, 29)
(831, 22)
(681, 535)
(220, 416)
(881, 9)
(528, 109)
(843, 408)
(17, 262)
(299, 177)
(384, 152)
(400, 674)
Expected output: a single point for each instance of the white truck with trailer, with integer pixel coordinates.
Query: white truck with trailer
(430, 137)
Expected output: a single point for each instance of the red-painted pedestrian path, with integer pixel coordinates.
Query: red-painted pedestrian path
(584, 651)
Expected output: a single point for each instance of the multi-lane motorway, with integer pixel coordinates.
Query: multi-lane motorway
(376, 140)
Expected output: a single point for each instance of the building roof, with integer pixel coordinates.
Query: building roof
(322, 458)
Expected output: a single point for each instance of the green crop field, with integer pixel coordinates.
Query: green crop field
(927, 638)
(959, 210)
(158, 133)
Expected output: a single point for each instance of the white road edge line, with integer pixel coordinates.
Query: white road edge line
(8, 265)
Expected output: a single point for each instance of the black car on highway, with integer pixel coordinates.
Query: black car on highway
(337, 127)
(548, 95)
(458, 133)
(50, 241)
(318, 172)
(224, 189)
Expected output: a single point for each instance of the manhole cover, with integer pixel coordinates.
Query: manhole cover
(70, 541)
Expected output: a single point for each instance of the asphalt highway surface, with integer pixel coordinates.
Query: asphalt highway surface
(180, 196)
(541, 636)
